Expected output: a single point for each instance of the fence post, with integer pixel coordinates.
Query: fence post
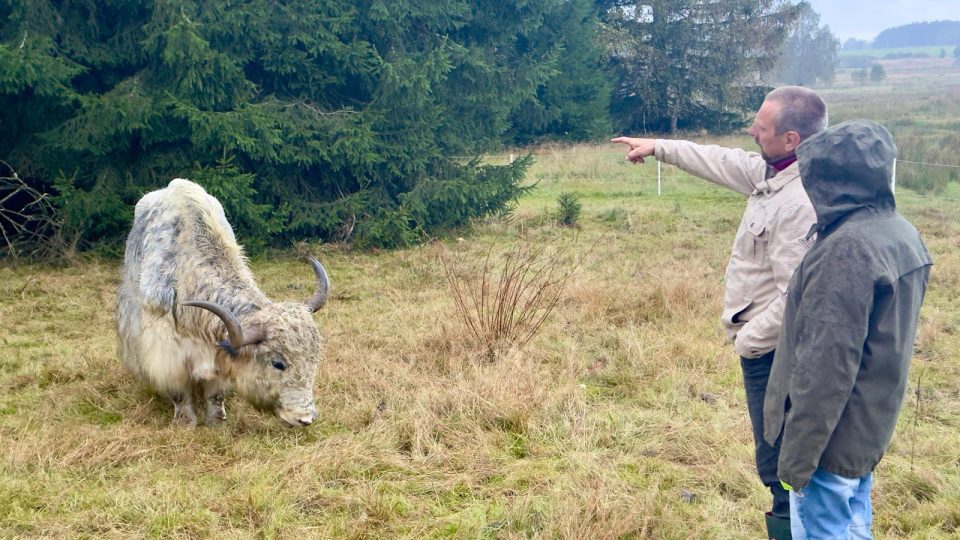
(893, 180)
(658, 178)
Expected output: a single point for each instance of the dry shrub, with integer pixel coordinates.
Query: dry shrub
(28, 224)
(503, 301)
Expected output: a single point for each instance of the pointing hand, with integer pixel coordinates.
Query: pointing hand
(639, 148)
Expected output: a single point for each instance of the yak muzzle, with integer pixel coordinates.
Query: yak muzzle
(299, 418)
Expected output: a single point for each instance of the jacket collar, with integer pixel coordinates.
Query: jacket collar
(777, 180)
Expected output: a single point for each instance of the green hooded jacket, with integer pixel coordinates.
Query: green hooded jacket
(851, 315)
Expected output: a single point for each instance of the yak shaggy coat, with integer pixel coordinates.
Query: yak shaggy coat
(192, 323)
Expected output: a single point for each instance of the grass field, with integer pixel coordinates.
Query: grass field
(624, 417)
(919, 102)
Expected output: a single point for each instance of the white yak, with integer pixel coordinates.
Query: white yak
(192, 323)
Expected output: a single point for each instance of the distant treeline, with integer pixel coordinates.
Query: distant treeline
(921, 34)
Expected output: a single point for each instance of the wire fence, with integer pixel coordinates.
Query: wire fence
(660, 175)
(928, 164)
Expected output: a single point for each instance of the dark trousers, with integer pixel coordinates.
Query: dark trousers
(756, 371)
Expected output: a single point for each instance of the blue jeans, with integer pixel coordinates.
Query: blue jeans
(832, 506)
(756, 371)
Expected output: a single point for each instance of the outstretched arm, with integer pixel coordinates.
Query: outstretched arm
(733, 168)
(639, 148)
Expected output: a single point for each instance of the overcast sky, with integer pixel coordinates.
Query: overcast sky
(864, 19)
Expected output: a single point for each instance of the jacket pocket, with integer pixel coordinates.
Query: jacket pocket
(752, 244)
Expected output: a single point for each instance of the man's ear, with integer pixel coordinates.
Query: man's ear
(793, 141)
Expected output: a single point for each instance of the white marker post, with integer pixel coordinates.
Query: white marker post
(658, 178)
(893, 179)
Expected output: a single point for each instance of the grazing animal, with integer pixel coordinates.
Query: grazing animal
(191, 322)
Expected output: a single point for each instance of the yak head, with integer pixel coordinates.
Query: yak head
(274, 354)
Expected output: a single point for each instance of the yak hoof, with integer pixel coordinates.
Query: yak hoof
(216, 412)
(183, 414)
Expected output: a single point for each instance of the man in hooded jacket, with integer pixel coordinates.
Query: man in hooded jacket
(852, 309)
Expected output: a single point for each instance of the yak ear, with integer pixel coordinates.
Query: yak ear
(251, 336)
(237, 336)
(256, 333)
(234, 330)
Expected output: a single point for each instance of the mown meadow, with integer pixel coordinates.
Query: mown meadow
(623, 416)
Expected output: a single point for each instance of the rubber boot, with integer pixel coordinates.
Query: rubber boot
(778, 528)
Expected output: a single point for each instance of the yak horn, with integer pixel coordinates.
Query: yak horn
(319, 298)
(234, 330)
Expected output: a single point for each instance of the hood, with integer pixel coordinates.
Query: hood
(848, 167)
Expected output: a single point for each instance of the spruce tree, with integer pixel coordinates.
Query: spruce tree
(573, 104)
(691, 64)
(336, 120)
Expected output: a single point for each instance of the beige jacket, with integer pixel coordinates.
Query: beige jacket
(769, 244)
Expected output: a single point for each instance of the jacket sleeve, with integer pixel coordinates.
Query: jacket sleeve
(831, 325)
(733, 168)
(788, 245)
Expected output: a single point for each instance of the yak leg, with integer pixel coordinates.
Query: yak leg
(183, 413)
(214, 392)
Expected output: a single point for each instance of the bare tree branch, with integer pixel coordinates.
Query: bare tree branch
(28, 222)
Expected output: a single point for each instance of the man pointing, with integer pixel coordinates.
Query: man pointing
(770, 242)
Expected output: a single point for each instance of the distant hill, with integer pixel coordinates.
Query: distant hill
(919, 34)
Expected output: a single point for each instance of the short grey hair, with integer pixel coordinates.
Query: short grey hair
(801, 110)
